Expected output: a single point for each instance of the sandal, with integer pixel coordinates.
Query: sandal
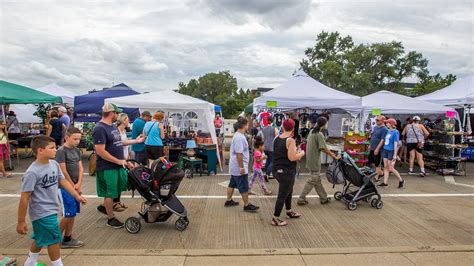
(267, 193)
(118, 207)
(293, 214)
(278, 222)
(8, 175)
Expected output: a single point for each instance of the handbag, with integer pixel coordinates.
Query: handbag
(420, 144)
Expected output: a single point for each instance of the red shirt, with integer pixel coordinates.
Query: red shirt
(265, 117)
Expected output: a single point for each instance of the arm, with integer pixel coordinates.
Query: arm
(100, 150)
(127, 142)
(395, 150)
(240, 160)
(330, 153)
(426, 133)
(162, 131)
(404, 130)
(276, 132)
(65, 173)
(77, 186)
(379, 146)
(49, 129)
(21, 227)
(64, 184)
(293, 155)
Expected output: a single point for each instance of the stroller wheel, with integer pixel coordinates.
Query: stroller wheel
(182, 223)
(368, 200)
(352, 205)
(338, 195)
(379, 204)
(133, 225)
(373, 203)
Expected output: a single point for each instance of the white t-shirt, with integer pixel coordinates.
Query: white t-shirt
(239, 144)
(125, 147)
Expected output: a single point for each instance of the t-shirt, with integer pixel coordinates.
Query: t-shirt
(313, 118)
(391, 137)
(109, 135)
(125, 147)
(268, 137)
(12, 124)
(264, 116)
(238, 144)
(153, 135)
(304, 118)
(315, 143)
(279, 119)
(218, 123)
(3, 137)
(42, 180)
(66, 120)
(377, 135)
(57, 130)
(71, 157)
(137, 130)
(257, 155)
(304, 132)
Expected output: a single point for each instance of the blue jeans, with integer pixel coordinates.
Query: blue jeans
(268, 162)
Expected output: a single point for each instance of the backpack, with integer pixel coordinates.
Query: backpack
(334, 173)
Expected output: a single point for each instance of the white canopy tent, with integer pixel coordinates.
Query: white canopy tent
(172, 102)
(302, 91)
(54, 89)
(460, 94)
(392, 103)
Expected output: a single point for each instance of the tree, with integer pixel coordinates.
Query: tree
(430, 84)
(364, 68)
(221, 89)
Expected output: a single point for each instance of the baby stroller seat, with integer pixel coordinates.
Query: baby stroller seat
(360, 178)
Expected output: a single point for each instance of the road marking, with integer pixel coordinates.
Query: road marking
(450, 180)
(426, 195)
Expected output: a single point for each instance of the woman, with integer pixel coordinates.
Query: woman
(4, 148)
(122, 124)
(416, 134)
(285, 156)
(316, 144)
(389, 154)
(55, 128)
(154, 134)
(404, 150)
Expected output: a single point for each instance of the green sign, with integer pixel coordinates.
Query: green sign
(271, 104)
(376, 112)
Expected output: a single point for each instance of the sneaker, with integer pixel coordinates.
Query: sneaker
(302, 202)
(73, 243)
(101, 208)
(410, 172)
(401, 184)
(230, 203)
(114, 223)
(278, 222)
(293, 215)
(422, 174)
(326, 201)
(266, 178)
(383, 185)
(251, 208)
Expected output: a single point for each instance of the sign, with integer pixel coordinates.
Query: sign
(350, 134)
(450, 114)
(271, 104)
(362, 134)
(376, 112)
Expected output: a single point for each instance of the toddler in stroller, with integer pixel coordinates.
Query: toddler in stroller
(157, 186)
(346, 171)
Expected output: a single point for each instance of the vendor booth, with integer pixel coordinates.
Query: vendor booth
(88, 107)
(187, 118)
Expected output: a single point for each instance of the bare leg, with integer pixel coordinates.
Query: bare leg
(230, 192)
(2, 168)
(66, 225)
(412, 159)
(394, 171)
(245, 198)
(421, 162)
(54, 252)
(108, 203)
(34, 248)
(386, 171)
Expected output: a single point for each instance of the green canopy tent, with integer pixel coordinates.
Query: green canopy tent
(248, 109)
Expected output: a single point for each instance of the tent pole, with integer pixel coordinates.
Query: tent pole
(3, 113)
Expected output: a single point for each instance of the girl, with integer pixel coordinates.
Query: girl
(285, 156)
(390, 153)
(258, 158)
(4, 148)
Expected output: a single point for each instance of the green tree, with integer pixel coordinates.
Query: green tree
(364, 68)
(430, 84)
(221, 89)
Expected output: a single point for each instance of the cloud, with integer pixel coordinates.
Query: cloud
(280, 15)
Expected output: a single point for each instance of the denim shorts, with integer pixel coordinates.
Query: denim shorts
(46, 231)
(388, 154)
(240, 182)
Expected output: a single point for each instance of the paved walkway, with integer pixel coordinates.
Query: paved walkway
(429, 222)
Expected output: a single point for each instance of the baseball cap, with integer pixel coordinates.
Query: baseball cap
(391, 121)
(416, 118)
(110, 107)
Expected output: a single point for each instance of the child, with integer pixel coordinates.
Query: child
(69, 158)
(258, 158)
(39, 194)
(4, 149)
(390, 153)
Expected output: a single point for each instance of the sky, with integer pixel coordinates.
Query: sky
(154, 45)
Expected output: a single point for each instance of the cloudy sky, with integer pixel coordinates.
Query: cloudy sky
(153, 45)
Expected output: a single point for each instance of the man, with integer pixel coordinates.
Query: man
(13, 126)
(269, 134)
(64, 118)
(137, 130)
(376, 145)
(238, 167)
(111, 176)
(218, 124)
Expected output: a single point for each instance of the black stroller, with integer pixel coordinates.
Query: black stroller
(157, 186)
(346, 171)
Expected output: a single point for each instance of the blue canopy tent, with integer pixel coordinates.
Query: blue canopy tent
(88, 107)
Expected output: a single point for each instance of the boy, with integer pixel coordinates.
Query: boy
(69, 158)
(39, 194)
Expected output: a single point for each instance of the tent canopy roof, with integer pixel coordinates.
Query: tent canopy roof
(11, 93)
(54, 89)
(460, 93)
(162, 100)
(393, 103)
(302, 91)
